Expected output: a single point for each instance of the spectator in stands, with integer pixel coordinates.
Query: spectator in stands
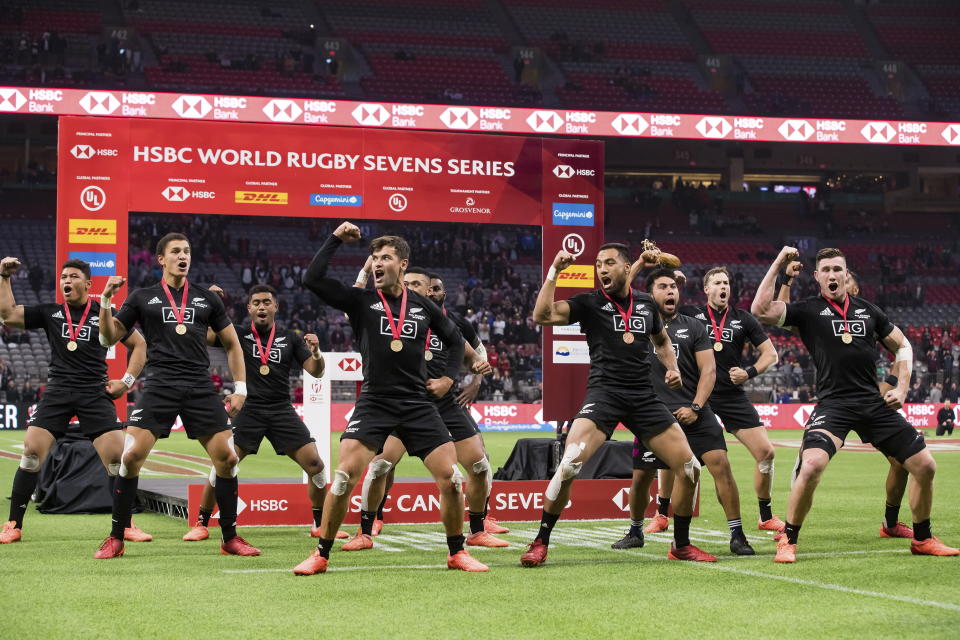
(936, 393)
(945, 419)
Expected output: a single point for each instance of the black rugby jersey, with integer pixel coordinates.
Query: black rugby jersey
(437, 365)
(739, 327)
(689, 338)
(287, 355)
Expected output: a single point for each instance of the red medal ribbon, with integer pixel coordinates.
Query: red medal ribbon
(83, 318)
(264, 355)
(718, 329)
(623, 314)
(842, 312)
(180, 313)
(395, 326)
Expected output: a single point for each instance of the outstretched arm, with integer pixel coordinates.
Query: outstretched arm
(11, 313)
(766, 309)
(331, 291)
(546, 311)
(111, 329)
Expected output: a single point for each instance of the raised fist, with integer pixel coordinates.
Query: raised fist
(348, 232)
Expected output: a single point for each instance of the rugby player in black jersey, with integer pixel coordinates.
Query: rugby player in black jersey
(271, 354)
(390, 324)
(897, 476)
(77, 383)
(174, 316)
(694, 351)
(729, 329)
(619, 324)
(841, 331)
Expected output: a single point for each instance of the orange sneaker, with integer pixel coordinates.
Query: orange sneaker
(490, 525)
(773, 524)
(198, 533)
(111, 548)
(899, 531)
(377, 527)
(536, 554)
(786, 552)
(237, 546)
(779, 535)
(312, 565)
(484, 539)
(10, 533)
(315, 533)
(359, 542)
(342, 535)
(691, 553)
(133, 533)
(659, 524)
(465, 562)
(932, 547)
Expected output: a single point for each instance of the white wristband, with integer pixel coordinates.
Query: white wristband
(240, 388)
(552, 274)
(128, 379)
(362, 277)
(317, 355)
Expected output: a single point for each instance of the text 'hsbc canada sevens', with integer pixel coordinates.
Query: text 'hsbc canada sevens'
(381, 174)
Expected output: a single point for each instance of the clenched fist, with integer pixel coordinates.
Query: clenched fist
(348, 232)
(9, 266)
(113, 285)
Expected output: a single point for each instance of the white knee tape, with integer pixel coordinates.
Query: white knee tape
(341, 480)
(128, 441)
(482, 466)
(29, 463)
(457, 479)
(566, 470)
(212, 478)
(319, 480)
(692, 469)
(113, 469)
(376, 469)
(765, 467)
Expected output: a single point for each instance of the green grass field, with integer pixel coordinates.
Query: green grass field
(847, 583)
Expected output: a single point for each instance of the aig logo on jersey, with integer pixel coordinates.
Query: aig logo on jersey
(408, 330)
(856, 328)
(436, 344)
(637, 324)
(170, 316)
(274, 353)
(83, 335)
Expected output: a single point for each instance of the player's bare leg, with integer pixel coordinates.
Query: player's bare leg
(312, 464)
(372, 492)
(660, 522)
(223, 455)
(896, 486)
(208, 503)
(37, 443)
(922, 468)
(758, 444)
(137, 444)
(109, 447)
(728, 496)
(473, 457)
(639, 499)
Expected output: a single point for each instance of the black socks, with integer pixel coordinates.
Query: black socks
(226, 491)
(24, 484)
(124, 495)
(547, 520)
(766, 513)
(681, 530)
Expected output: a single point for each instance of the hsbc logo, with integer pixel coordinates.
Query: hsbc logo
(11, 100)
(370, 115)
(951, 133)
(878, 132)
(191, 106)
(563, 171)
(99, 103)
(92, 198)
(176, 194)
(349, 364)
(82, 152)
(458, 118)
(795, 130)
(544, 121)
(802, 414)
(282, 110)
(629, 124)
(714, 127)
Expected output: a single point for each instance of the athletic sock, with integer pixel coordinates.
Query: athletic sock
(476, 521)
(124, 495)
(890, 515)
(681, 530)
(317, 515)
(793, 532)
(380, 508)
(366, 522)
(736, 528)
(921, 530)
(455, 544)
(766, 513)
(324, 545)
(226, 490)
(24, 484)
(663, 506)
(636, 528)
(204, 517)
(547, 520)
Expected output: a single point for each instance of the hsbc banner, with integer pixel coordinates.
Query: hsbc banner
(419, 502)
(349, 113)
(921, 415)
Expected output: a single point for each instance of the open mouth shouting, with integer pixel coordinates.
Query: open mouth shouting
(378, 274)
(833, 286)
(606, 281)
(670, 304)
(67, 288)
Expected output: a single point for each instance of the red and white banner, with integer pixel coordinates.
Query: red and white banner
(350, 113)
(921, 415)
(419, 502)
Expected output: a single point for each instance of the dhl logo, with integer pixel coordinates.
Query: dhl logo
(88, 231)
(260, 197)
(576, 275)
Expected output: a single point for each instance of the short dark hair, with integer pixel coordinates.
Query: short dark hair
(167, 239)
(435, 276)
(262, 288)
(418, 270)
(853, 274)
(77, 263)
(714, 271)
(662, 272)
(399, 244)
(621, 248)
(828, 252)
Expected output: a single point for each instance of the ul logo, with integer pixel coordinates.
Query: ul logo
(93, 198)
(574, 244)
(397, 202)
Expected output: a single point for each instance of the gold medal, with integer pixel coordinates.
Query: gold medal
(396, 345)
(846, 337)
(72, 345)
(427, 355)
(264, 369)
(718, 346)
(181, 329)
(628, 337)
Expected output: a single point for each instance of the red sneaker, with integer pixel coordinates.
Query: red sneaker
(773, 524)
(484, 539)
(536, 554)
(465, 562)
(659, 524)
(691, 553)
(312, 565)
(377, 527)
(359, 542)
(779, 535)
(932, 547)
(111, 548)
(10, 533)
(133, 533)
(315, 533)
(786, 552)
(237, 546)
(490, 525)
(899, 531)
(198, 533)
